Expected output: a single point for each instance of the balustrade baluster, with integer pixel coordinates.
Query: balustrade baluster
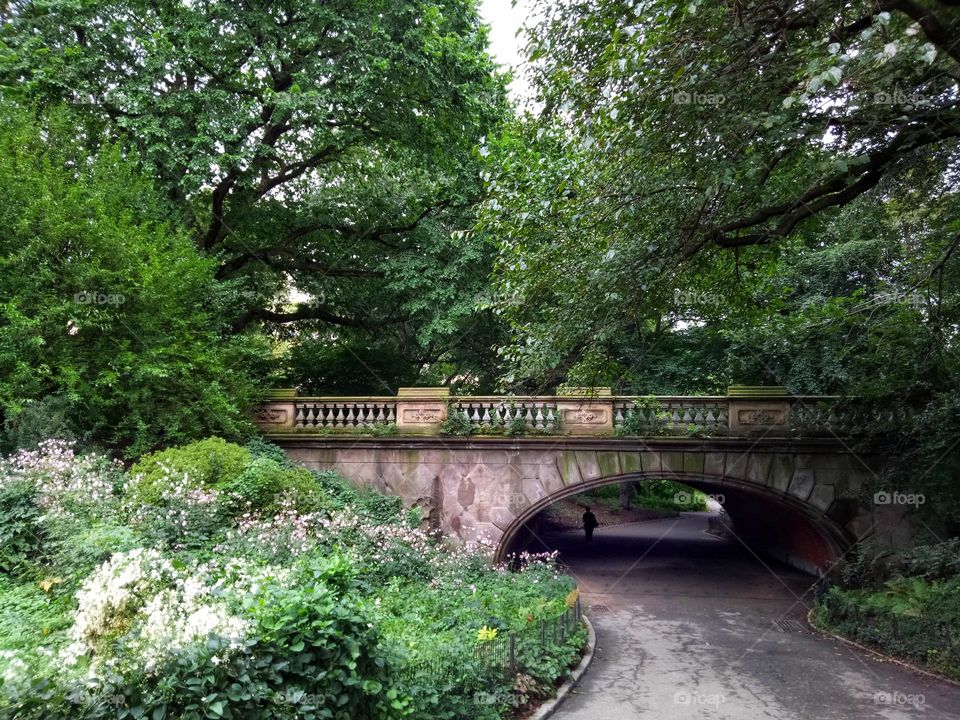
(529, 417)
(538, 424)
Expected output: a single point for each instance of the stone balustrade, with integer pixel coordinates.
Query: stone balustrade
(578, 412)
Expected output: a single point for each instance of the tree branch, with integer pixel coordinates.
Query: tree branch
(833, 192)
(307, 312)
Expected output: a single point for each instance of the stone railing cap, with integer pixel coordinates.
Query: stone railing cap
(563, 391)
(281, 393)
(423, 392)
(751, 391)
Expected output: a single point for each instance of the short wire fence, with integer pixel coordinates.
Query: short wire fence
(506, 654)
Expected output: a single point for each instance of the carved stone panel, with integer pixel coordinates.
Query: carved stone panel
(585, 418)
(747, 415)
(420, 415)
(274, 416)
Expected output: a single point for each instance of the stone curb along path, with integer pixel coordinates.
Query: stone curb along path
(882, 657)
(548, 708)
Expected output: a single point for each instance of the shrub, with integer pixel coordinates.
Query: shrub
(112, 596)
(80, 552)
(517, 427)
(206, 462)
(939, 560)
(457, 423)
(311, 653)
(265, 483)
(39, 420)
(908, 617)
(20, 528)
(258, 448)
(184, 518)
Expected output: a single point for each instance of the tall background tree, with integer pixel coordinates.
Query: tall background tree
(319, 153)
(111, 323)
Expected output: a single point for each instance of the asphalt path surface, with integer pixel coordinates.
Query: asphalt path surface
(689, 625)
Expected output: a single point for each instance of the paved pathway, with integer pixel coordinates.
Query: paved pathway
(692, 626)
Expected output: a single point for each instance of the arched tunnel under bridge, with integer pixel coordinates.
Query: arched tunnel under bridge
(775, 524)
(799, 501)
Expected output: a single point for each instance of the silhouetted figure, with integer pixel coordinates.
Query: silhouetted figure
(589, 523)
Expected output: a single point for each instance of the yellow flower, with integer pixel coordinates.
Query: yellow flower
(486, 634)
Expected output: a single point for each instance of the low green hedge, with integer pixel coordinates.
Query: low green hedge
(911, 618)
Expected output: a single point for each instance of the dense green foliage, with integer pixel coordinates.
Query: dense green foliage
(106, 306)
(909, 617)
(654, 494)
(704, 194)
(657, 196)
(321, 148)
(249, 587)
(207, 463)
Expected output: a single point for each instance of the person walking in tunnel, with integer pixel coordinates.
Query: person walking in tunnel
(589, 524)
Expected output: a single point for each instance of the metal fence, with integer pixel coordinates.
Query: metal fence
(505, 655)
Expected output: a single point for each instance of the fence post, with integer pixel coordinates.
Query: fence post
(513, 654)
(543, 633)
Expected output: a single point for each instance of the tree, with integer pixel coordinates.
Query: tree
(317, 147)
(761, 192)
(111, 321)
(689, 149)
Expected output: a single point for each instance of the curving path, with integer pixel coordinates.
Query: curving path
(690, 626)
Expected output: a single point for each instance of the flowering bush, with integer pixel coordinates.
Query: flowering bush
(67, 484)
(48, 493)
(184, 515)
(249, 588)
(206, 462)
(115, 593)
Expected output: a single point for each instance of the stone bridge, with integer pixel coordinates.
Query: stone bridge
(791, 483)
